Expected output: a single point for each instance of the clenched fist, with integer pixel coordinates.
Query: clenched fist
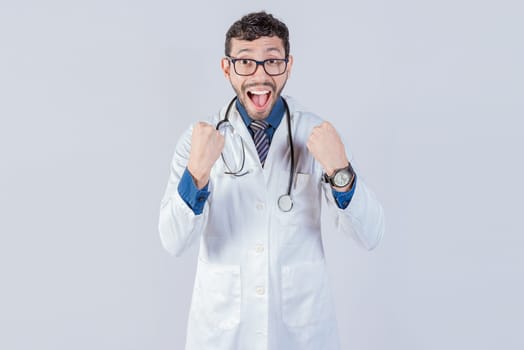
(327, 148)
(206, 146)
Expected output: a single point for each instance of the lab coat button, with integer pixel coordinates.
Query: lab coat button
(260, 290)
(260, 206)
(259, 248)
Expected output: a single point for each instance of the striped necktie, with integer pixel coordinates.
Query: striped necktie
(261, 139)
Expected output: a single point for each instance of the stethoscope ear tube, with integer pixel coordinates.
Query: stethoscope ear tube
(226, 116)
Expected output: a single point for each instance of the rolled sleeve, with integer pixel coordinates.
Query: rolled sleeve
(344, 198)
(194, 198)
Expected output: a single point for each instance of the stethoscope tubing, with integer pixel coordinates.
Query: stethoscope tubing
(289, 134)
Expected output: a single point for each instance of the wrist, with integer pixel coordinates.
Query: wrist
(341, 179)
(343, 189)
(200, 176)
(346, 188)
(330, 169)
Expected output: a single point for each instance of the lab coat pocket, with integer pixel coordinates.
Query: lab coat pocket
(217, 296)
(301, 181)
(305, 294)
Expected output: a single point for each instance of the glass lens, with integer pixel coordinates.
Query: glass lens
(245, 67)
(275, 67)
(233, 152)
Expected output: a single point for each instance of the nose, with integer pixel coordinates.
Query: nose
(260, 71)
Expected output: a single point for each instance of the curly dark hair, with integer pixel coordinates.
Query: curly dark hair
(255, 25)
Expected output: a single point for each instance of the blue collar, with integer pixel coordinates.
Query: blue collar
(274, 118)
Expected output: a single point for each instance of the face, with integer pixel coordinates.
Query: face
(259, 92)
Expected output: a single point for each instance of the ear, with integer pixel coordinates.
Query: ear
(289, 65)
(226, 67)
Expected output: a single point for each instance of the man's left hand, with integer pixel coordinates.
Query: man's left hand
(327, 148)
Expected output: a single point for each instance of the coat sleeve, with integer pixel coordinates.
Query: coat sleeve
(178, 225)
(363, 219)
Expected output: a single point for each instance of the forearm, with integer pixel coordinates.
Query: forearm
(181, 220)
(363, 219)
(179, 226)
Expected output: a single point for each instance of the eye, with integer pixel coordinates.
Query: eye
(272, 62)
(245, 62)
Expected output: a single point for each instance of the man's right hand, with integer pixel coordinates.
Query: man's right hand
(206, 145)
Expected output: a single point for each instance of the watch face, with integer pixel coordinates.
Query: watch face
(342, 178)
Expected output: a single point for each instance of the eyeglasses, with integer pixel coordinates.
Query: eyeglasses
(248, 66)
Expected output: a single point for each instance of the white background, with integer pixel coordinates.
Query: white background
(94, 94)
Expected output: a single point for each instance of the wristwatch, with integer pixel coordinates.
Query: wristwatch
(341, 177)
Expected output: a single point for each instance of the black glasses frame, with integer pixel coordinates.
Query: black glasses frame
(258, 63)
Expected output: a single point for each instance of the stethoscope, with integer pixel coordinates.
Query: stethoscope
(285, 203)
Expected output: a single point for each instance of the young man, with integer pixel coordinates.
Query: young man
(253, 199)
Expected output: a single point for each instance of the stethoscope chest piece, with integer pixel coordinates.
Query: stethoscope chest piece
(285, 203)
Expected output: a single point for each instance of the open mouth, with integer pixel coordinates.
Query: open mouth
(259, 98)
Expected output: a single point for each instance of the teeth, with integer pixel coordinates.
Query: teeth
(260, 92)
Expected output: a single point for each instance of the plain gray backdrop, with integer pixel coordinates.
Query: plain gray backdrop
(94, 95)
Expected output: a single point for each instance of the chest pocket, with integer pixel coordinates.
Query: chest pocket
(301, 182)
(305, 193)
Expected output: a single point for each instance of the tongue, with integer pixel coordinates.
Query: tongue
(259, 100)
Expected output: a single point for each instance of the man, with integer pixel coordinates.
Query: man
(255, 205)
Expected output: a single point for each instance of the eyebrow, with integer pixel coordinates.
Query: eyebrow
(270, 49)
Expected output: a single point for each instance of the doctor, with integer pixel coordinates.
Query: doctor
(253, 200)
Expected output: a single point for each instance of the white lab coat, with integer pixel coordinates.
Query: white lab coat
(261, 280)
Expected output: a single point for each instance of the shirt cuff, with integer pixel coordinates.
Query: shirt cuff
(344, 198)
(189, 192)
